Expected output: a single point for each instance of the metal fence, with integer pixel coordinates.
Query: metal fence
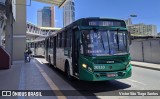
(146, 50)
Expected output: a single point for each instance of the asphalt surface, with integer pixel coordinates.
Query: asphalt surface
(142, 79)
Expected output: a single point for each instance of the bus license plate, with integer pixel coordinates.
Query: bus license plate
(111, 75)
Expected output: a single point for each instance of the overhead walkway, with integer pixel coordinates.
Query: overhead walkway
(58, 3)
(34, 31)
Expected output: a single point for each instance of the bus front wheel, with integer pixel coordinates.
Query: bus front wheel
(68, 72)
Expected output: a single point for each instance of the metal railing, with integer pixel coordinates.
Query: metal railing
(39, 31)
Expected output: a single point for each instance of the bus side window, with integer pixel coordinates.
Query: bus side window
(57, 41)
(39, 44)
(63, 37)
(32, 45)
(47, 43)
(67, 42)
(69, 34)
(35, 45)
(51, 42)
(60, 44)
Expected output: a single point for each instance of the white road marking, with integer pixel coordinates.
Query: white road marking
(53, 86)
(136, 81)
(39, 61)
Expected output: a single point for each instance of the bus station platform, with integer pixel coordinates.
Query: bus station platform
(30, 76)
(35, 75)
(23, 76)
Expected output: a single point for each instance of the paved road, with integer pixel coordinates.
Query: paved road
(142, 79)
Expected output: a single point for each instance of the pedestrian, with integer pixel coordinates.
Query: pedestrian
(25, 55)
(29, 54)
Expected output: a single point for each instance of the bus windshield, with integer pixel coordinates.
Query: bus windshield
(104, 42)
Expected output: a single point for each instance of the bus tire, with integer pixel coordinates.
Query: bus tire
(68, 72)
(49, 60)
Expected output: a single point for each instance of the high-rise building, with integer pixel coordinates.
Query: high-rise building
(128, 22)
(68, 13)
(46, 17)
(143, 29)
(39, 17)
(52, 16)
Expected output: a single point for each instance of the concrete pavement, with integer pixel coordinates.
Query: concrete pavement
(35, 75)
(23, 76)
(146, 65)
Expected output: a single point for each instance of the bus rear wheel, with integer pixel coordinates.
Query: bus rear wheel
(49, 59)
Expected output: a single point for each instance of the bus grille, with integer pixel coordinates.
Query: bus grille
(108, 61)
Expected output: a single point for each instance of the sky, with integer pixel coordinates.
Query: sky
(147, 11)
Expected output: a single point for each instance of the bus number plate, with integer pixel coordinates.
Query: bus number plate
(111, 75)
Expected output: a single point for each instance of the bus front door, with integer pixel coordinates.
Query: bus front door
(75, 53)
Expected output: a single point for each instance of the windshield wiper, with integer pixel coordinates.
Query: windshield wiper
(118, 39)
(102, 43)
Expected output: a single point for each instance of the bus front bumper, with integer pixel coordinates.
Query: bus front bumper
(103, 76)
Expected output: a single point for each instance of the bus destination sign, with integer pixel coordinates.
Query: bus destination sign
(107, 23)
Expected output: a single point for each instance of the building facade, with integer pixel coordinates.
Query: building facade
(39, 17)
(68, 13)
(128, 22)
(52, 16)
(46, 17)
(143, 29)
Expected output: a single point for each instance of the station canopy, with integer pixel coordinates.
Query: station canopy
(58, 3)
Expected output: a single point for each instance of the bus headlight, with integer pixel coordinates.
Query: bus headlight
(84, 65)
(87, 67)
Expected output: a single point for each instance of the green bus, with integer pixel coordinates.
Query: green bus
(91, 49)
